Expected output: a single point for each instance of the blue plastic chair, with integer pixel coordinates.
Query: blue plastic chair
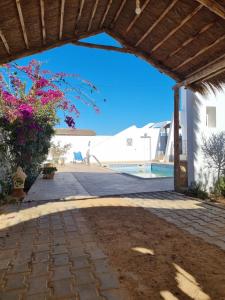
(77, 156)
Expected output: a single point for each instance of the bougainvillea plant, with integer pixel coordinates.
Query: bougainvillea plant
(29, 91)
(30, 98)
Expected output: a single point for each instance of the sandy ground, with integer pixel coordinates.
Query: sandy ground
(220, 200)
(155, 259)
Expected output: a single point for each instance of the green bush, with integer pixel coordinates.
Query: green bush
(5, 170)
(48, 170)
(32, 151)
(30, 99)
(5, 187)
(219, 188)
(197, 190)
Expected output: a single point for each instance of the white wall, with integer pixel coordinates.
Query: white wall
(78, 143)
(115, 148)
(194, 111)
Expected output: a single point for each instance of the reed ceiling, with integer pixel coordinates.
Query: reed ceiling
(184, 39)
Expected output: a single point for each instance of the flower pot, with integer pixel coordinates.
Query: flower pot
(18, 193)
(19, 178)
(49, 176)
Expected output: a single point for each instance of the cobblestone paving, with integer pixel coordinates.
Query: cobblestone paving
(48, 252)
(196, 217)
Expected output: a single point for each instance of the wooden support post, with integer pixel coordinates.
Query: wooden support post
(176, 141)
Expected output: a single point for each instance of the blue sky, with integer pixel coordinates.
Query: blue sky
(136, 93)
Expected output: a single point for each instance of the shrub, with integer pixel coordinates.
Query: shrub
(5, 170)
(197, 190)
(57, 151)
(213, 149)
(219, 188)
(48, 170)
(28, 112)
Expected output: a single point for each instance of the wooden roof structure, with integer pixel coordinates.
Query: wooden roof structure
(184, 39)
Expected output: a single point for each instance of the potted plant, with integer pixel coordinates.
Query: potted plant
(48, 171)
(58, 152)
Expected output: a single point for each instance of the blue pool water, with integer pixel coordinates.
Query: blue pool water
(153, 170)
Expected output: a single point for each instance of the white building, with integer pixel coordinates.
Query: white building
(200, 116)
(130, 145)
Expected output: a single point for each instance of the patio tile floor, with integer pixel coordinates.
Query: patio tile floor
(199, 218)
(66, 264)
(48, 250)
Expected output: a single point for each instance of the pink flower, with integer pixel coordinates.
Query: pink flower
(50, 96)
(9, 98)
(40, 93)
(32, 99)
(65, 105)
(97, 110)
(25, 110)
(60, 74)
(41, 83)
(26, 107)
(73, 109)
(44, 93)
(16, 83)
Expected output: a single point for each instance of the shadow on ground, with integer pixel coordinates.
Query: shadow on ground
(154, 259)
(106, 183)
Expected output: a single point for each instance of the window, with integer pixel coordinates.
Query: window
(129, 142)
(211, 116)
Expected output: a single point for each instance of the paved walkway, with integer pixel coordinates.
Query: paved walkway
(199, 218)
(80, 181)
(48, 251)
(63, 187)
(110, 183)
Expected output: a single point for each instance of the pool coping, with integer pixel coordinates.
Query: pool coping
(135, 176)
(143, 178)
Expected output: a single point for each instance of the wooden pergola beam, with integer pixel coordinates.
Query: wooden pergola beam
(184, 21)
(102, 47)
(213, 74)
(22, 23)
(214, 7)
(203, 50)
(119, 11)
(4, 42)
(93, 14)
(188, 41)
(106, 13)
(137, 16)
(42, 5)
(211, 63)
(144, 55)
(61, 18)
(202, 73)
(80, 10)
(34, 50)
(146, 34)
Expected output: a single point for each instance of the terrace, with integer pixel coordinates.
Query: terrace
(158, 245)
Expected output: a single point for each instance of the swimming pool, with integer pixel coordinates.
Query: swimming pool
(152, 170)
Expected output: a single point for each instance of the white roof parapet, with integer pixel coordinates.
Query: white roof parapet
(161, 124)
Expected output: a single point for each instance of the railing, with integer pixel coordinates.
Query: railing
(87, 159)
(96, 159)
